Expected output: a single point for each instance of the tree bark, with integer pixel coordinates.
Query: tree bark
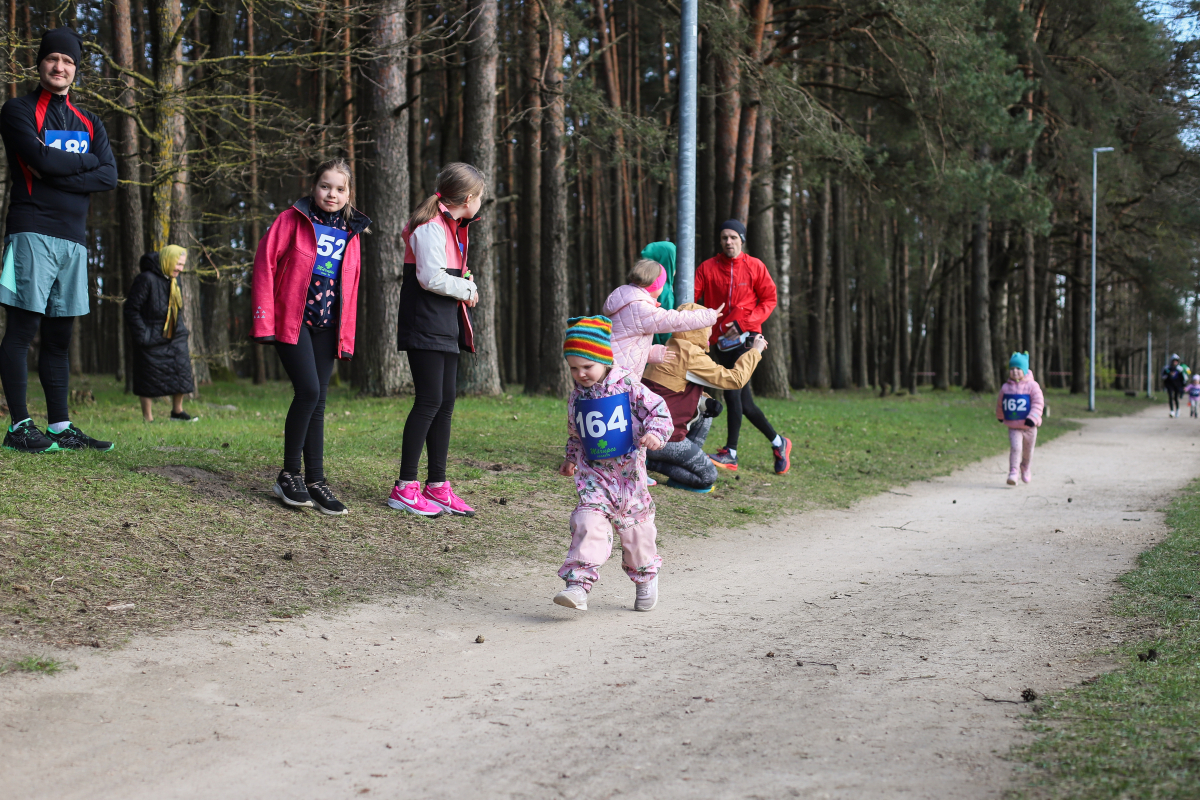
(706, 158)
(818, 294)
(771, 377)
(380, 370)
(979, 364)
(480, 374)
(529, 218)
(1029, 306)
(903, 311)
(555, 379)
(841, 288)
(1079, 312)
(728, 117)
(129, 194)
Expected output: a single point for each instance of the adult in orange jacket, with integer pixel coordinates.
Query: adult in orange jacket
(740, 282)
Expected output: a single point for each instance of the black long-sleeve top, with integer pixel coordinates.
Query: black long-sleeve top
(55, 204)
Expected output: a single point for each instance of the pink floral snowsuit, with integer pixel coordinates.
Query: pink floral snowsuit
(1021, 437)
(613, 491)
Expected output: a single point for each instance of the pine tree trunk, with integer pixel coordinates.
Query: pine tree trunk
(1079, 312)
(380, 370)
(728, 118)
(771, 377)
(555, 379)
(129, 195)
(480, 374)
(903, 371)
(706, 206)
(1029, 320)
(841, 288)
(998, 314)
(979, 364)
(529, 249)
(417, 190)
(818, 294)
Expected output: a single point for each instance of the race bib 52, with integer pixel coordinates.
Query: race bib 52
(331, 246)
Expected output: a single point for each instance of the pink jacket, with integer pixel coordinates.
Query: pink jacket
(636, 317)
(1025, 386)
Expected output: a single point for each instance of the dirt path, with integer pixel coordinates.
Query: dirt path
(927, 599)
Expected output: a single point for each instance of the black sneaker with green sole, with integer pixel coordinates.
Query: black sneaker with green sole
(26, 438)
(71, 438)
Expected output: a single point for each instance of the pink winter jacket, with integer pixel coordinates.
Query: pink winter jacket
(636, 317)
(1025, 386)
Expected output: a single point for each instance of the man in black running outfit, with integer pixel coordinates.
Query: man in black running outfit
(58, 155)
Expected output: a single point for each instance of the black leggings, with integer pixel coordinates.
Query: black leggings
(1173, 396)
(435, 382)
(309, 363)
(54, 367)
(741, 402)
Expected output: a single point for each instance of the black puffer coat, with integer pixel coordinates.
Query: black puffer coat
(161, 366)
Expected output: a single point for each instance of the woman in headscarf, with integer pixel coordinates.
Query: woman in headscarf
(663, 253)
(154, 313)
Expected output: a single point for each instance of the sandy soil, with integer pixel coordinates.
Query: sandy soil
(840, 654)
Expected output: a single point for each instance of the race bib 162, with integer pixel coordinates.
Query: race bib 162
(605, 426)
(331, 246)
(1015, 406)
(71, 141)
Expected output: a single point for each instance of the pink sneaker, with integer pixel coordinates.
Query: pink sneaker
(444, 498)
(1026, 474)
(1012, 477)
(409, 498)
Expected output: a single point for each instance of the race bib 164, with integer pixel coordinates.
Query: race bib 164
(331, 246)
(605, 426)
(1015, 406)
(71, 141)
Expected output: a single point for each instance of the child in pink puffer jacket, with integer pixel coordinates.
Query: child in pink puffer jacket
(1019, 407)
(636, 317)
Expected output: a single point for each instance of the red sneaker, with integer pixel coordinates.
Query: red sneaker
(723, 460)
(783, 456)
(444, 498)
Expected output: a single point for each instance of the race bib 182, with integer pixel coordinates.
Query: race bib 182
(71, 141)
(605, 426)
(331, 246)
(1015, 406)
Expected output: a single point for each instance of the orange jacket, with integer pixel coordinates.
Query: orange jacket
(743, 285)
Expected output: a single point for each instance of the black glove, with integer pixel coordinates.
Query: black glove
(712, 408)
(1030, 423)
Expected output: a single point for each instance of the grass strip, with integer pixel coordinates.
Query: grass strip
(1135, 732)
(178, 524)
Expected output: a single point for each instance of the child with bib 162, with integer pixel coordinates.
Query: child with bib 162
(1019, 407)
(611, 420)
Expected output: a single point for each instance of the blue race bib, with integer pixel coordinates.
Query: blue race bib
(1015, 406)
(331, 246)
(71, 141)
(605, 426)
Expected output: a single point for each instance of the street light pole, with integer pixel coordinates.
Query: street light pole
(1092, 325)
(685, 218)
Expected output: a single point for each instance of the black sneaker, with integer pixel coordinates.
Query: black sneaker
(290, 489)
(324, 501)
(183, 416)
(71, 438)
(26, 438)
(783, 456)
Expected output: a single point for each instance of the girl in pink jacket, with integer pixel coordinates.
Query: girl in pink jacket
(1019, 407)
(636, 317)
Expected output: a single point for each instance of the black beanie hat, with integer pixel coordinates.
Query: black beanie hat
(735, 226)
(61, 40)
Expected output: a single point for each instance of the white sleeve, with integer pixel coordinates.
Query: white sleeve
(429, 249)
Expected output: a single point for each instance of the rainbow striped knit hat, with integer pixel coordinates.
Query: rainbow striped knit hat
(590, 338)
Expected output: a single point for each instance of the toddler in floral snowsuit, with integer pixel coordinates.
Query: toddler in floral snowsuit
(612, 491)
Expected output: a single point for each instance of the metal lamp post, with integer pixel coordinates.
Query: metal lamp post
(685, 219)
(1092, 315)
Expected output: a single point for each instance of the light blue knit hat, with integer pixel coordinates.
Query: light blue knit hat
(1020, 361)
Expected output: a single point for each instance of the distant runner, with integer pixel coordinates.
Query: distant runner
(1175, 376)
(58, 155)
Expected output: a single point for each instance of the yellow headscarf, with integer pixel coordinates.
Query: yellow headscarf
(168, 257)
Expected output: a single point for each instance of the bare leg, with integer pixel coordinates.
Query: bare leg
(177, 403)
(147, 413)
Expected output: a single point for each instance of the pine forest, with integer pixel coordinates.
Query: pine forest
(916, 175)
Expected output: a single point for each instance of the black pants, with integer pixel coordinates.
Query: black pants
(741, 402)
(54, 367)
(1173, 396)
(435, 382)
(309, 363)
